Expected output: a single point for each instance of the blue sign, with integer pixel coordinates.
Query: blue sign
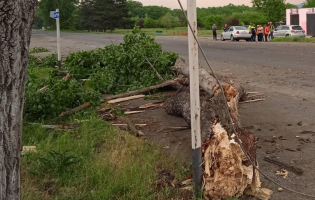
(56, 15)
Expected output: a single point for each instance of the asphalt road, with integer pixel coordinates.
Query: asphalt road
(285, 55)
(283, 72)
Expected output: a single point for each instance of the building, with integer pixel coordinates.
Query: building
(305, 17)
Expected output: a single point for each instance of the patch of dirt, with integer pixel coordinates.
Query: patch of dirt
(176, 143)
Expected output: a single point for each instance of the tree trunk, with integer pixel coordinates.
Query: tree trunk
(227, 171)
(16, 20)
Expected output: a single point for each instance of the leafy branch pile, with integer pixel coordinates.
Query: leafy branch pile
(125, 67)
(112, 70)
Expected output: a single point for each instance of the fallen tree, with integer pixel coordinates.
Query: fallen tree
(227, 171)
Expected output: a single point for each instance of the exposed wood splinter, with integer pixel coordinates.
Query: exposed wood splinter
(126, 99)
(249, 101)
(133, 112)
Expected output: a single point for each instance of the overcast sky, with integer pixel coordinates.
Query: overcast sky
(204, 3)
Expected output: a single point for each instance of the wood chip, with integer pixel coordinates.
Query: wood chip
(282, 172)
(187, 182)
(126, 99)
(133, 112)
(28, 148)
(280, 189)
(150, 105)
(189, 188)
(252, 101)
(67, 76)
(141, 133)
(43, 89)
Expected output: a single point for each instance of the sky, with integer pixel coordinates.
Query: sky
(203, 3)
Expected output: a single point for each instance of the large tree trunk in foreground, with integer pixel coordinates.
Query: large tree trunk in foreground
(228, 172)
(16, 19)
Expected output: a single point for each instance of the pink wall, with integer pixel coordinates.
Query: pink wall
(288, 16)
(302, 12)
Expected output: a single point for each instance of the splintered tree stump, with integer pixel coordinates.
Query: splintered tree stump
(227, 171)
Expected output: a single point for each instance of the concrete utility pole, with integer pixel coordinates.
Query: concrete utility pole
(194, 94)
(58, 39)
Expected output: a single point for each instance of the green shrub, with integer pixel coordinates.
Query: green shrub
(213, 19)
(149, 23)
(49, 61)
(59, 96)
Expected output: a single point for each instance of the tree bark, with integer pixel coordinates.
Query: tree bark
(16, 20)
(227, 171)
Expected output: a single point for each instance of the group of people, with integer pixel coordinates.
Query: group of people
(260, 32)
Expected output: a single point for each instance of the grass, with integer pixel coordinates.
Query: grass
(152, 31)
(96, 161)
(38, 50)
(293, 39)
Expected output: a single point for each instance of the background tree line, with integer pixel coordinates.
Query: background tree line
(106, 15)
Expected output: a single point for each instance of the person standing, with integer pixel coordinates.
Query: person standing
(250, 27)
(260, 32)
(272, 28)
(266, 32)
(214, 30)
(253, 28)
(225, 27)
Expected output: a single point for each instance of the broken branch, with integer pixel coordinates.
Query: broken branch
(132, 128)
(153, 68)
(143, 90)
(74, 110)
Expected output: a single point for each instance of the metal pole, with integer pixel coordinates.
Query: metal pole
(58, 40)
(194, 95)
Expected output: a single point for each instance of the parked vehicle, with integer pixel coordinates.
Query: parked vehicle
(289, 30)
(236, 33)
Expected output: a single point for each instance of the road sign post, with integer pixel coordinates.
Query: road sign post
(56, 16)
(194, 95)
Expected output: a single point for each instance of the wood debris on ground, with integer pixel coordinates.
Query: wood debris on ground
(43, 89)
(282, 172)
(133, 112)
(173, 129)
(125, 99)
(249, 101)
(75, 110)
(150, 105)
(28, 149)
(132, 128)
(284, 165)
(67, 76)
